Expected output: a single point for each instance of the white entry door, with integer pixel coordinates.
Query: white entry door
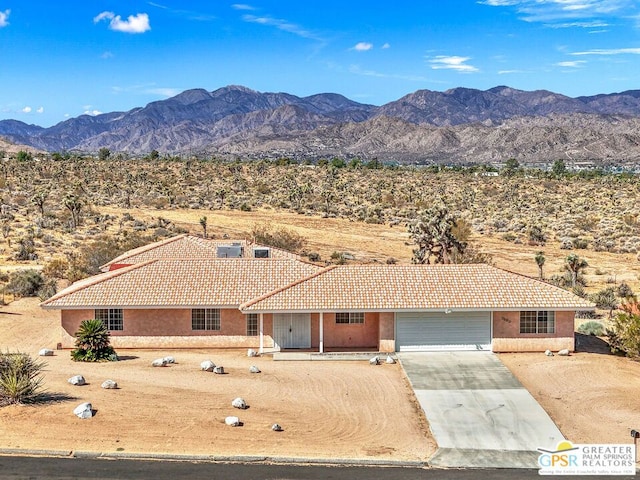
(292, 330)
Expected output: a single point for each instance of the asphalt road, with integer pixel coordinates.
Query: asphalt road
(15, 467)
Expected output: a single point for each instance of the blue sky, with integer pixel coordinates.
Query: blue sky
(63, 59)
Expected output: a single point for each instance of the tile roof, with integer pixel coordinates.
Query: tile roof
(416, 287)
(173, 283)
(188, 246)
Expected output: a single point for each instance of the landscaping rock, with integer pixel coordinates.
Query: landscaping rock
(239, 403)
(46, 352)
(109, 384)
(84, 410)
(77, 380)
(207, 366)
(232, 421)
(548, 353)
(276, 428)
(254, 369)
(390, 360)
(169, 360)
(159, 362)
(252, 353)
(218, 369)
(375, 361)
(564, 352)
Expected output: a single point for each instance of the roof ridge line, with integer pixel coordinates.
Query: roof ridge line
(144, 248)
(94, 280)
(281, 289)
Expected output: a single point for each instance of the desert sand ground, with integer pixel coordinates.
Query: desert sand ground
(327, 409)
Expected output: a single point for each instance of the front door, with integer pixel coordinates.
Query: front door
(292, 330)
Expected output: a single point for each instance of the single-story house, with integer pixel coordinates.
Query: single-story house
(191, 246)
(279, 303)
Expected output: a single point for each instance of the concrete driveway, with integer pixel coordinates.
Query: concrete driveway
(479, 413)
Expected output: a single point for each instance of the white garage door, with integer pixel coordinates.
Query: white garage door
(440, 331)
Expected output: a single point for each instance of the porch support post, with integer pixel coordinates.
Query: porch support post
(261, 350)
(321, 345)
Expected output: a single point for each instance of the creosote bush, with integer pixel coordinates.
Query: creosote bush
(591, 328)
(20, 378)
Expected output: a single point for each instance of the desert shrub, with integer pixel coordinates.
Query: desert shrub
(25, 283)
(20, 378)
(47, 290)
(624, 290)
(591, 328)
(314, 256)
(580, 243)
(93, 343)
(605, 299)
(624, 334)
(278, 237)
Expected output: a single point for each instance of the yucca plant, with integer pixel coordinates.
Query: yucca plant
(92, 343)
(20, 378)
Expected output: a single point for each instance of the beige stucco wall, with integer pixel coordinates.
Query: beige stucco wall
(507, 336)
(152, 328)
(350, 336)
(386, 332)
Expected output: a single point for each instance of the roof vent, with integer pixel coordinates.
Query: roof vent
(261, 252)
(229, 251)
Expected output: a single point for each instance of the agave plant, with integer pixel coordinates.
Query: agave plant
(20, 378)
(92, 343)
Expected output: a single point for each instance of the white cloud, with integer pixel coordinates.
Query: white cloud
(509, 72)
(40, 110)
(610, 51)
(138, 23)
(3, 18)
(442, 62)
(385, 46)
(26, 109)
(571, 64)
(282, 25)
(93, 113)
(164, 91)
(106, 55)
(362, 46)
(242, 6)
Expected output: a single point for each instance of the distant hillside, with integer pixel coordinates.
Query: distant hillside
(458, 125)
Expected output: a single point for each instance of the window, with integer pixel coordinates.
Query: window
(537, 322)
(205, 319)
(111, 317)
(252, 324)
(350, 317)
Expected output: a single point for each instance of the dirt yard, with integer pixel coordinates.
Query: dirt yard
(592, 397)
(327, 409)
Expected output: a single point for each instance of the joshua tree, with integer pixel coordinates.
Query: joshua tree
(73, 203)
(575, 266)
(540, 262)
(434, 236)
(203, 224)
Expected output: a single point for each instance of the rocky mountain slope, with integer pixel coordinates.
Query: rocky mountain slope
(458, 125)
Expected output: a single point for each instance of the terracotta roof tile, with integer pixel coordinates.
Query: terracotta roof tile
(182, 282)
(416, 287)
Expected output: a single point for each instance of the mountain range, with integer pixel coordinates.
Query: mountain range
(460, 125)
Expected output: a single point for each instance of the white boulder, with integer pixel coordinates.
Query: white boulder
(219, 369)
(239, 403)
(46, 352)
(390, 360)
(77, 380)
(169, 360)
(109, 384)
(207, 366)
(276, 428)
(375, 361)
(232, 421)
(84, 410)
(159, 362)
(548, 353)
(254, 369)
(564, 352)
(252, 353)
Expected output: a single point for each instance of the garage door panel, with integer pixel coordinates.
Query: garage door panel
(440, 331)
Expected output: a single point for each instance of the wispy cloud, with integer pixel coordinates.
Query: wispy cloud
(189, 14)
(571, 64)
(283, 25)
(106, 55)
(554, 11)
(242, 6)
(40, 110)
(385, 46)
(4, 18)
(610, 51)
(511, 72)
(362, 46)
(164, 91)
(442, 62)
(138, 23)
(355, 69)
(146, 89)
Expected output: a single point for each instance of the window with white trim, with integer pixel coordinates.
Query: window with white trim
(538, 322)
(111, 317)
(205, 319)
(349, 317)
(252, 324)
